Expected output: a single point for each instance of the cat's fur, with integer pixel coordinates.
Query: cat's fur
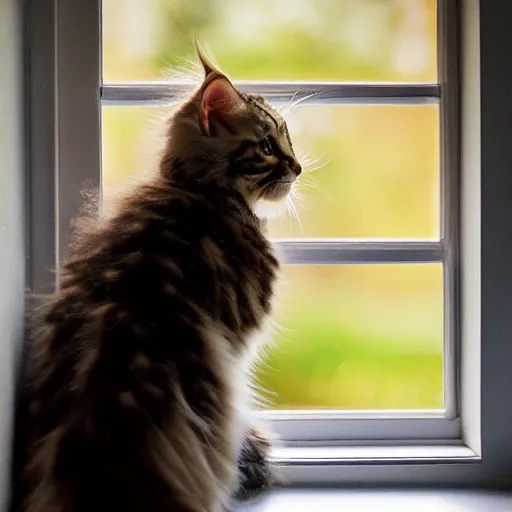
(139, 381)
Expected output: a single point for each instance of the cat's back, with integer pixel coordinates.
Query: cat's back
(191, 247)
(131, 373)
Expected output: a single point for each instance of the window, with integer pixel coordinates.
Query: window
(373, 270)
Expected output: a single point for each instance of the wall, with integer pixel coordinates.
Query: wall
(12, 253)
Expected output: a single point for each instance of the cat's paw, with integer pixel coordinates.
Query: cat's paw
(255, 472)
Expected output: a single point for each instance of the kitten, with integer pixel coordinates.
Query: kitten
(139, 382)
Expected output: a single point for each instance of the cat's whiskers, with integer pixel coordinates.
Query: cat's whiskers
(308, 180)
(306, 187)
(292, 209)
(285, 108)
(295, 102)
(312, 164)
(299, 199)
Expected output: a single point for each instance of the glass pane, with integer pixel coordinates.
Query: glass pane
(357, 337)
(356, 40)
(378, 174)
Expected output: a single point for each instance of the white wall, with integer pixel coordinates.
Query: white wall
(12, 257)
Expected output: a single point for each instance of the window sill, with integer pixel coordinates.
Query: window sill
(302, 500)
(384, 465)
(373, 455)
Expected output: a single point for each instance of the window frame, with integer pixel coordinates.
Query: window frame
(63, 81)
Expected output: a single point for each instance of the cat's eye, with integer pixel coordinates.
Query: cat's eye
(266, 146)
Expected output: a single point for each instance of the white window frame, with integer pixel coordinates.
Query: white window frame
(64, 95)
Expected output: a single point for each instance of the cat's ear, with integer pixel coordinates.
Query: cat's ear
(220, 104)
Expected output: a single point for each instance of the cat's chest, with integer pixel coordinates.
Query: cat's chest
(245, 395)
(246, 273)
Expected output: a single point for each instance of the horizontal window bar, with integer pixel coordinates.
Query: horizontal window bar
(329, 252)
(350, 414)
(160, 93)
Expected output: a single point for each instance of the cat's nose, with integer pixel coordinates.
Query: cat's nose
(296, 168)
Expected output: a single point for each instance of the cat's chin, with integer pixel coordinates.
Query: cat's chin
(270, 209)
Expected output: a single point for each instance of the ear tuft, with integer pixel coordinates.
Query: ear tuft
(208, 65)
(220, 102)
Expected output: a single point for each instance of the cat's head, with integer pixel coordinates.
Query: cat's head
(223, 135)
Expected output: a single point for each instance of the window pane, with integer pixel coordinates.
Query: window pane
(379, 174)
(356, 40)
(357, 337)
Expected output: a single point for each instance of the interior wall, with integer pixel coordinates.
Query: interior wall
(12, 254)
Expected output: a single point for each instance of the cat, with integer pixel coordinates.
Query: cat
(139, 382)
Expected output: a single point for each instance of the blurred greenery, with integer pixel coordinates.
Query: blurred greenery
(350, 336)
(357, 337)
(360, 40)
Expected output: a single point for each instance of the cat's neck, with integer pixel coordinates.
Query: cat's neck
(203, 176)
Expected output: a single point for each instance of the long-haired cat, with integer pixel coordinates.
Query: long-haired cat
(139, 382)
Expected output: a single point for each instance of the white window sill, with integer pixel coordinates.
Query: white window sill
(371, 454)
(302, 500)
(384, 465)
